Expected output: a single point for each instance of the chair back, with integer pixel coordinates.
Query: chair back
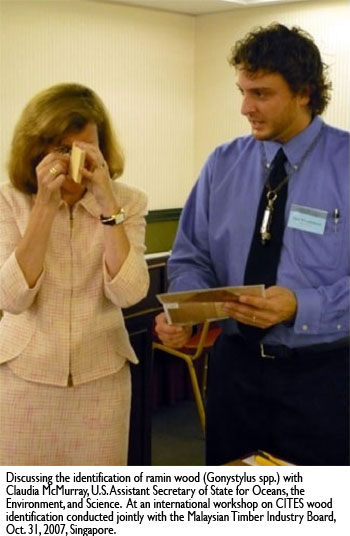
(203, 340)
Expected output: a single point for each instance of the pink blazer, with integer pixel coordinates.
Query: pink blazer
(71, 321)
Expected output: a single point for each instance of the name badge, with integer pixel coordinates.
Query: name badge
(312, 220)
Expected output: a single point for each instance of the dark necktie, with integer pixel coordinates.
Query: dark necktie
(263, 259)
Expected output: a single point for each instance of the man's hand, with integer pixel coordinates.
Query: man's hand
(278, 305)
(173, 336)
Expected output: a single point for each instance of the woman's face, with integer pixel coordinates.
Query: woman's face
(88, 134)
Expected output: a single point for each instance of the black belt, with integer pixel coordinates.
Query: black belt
(272, 351)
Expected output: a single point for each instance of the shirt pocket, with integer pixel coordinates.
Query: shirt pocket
(320, 251)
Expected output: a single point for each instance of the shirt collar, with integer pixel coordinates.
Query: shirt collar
(90, 204)
(295, 148)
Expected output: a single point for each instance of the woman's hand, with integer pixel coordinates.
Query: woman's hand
(30, 252)
(51, 172)
(173, 336)
(96, 177)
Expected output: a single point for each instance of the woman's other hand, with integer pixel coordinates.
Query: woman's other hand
(96, 177)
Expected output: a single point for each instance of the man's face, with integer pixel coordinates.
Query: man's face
(273, 111)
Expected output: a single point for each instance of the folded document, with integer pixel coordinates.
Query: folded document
(196, 306)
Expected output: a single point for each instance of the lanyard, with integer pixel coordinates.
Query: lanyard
(272, 193)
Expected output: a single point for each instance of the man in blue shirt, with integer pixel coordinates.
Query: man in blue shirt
(286, 390)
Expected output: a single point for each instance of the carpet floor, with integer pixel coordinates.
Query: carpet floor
(177, 438)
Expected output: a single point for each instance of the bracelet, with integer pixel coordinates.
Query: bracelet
(115, 219)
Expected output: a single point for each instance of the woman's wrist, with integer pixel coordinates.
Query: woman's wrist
(109, 206)
(45, 208)
(47, 202)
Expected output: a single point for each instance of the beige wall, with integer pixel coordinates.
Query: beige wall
(141, 62)
(217, 100)
(163, 76)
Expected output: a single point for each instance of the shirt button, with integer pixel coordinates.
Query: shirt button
(304, 327)
(339, 326)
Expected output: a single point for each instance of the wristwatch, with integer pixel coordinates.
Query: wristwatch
(115, 219)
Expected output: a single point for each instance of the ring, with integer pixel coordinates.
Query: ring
(53, 171)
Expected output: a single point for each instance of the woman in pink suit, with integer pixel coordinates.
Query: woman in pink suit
(71, 256)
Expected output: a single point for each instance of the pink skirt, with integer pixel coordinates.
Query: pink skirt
(47, 425)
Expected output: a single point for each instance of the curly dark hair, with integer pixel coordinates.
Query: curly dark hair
(289, 52)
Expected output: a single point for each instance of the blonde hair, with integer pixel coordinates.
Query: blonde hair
(48, 117)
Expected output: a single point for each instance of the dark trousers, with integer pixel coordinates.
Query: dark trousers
(296, 408)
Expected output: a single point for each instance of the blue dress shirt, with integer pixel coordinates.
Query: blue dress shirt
(217, 222)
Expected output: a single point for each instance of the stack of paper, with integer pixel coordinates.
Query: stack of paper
(264, 458)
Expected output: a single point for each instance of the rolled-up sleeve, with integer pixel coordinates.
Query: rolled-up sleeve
(130, 285)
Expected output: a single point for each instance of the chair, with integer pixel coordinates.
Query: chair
(198, 346)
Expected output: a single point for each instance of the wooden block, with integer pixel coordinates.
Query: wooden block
(77, 159)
